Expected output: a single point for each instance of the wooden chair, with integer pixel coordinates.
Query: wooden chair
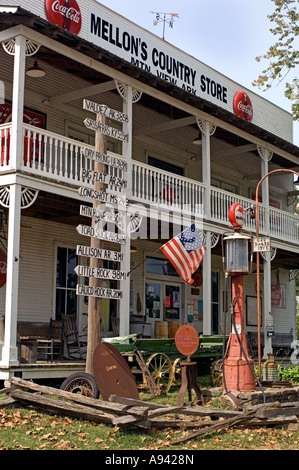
(52, 346)
(76, 345)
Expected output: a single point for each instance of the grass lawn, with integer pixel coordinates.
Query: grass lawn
(29, 429)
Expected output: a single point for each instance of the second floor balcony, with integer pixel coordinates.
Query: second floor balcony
(53, 157)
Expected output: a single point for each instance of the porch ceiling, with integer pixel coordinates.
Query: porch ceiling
(26, 18)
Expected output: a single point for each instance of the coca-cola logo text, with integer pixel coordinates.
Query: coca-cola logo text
(64, 13)
(242, 106)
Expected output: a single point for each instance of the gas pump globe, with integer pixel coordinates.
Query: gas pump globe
(237, 258)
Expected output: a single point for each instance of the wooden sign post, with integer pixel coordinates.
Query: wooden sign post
(95, 303)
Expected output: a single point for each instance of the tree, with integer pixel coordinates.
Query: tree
(284, 54)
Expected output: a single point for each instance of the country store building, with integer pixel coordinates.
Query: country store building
(167, 99)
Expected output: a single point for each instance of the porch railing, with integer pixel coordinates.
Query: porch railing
(49, 155)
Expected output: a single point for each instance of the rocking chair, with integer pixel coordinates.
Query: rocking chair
(76, 345)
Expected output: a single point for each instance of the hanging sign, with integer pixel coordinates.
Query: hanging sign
(105, 111)
(106, 130)
(101, 273)
(261, 244)
(111, 160)
(102, 196)
(103, 292)
(99, 253)
(103, 178)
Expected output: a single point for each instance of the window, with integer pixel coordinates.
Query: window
(66, 281)
(160, 266)
(170, 167)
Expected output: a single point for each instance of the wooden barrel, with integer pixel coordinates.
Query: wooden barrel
(161, 329)
(172, 329)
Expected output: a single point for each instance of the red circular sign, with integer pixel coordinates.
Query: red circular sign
(64, 13)
(242, 106)
(186, 340)
(236, 215)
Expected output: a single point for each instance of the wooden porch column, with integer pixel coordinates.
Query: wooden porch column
(266, 156)
(16, 146)
(124, 303)
(9, 350)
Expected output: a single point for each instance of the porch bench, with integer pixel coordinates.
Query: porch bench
(281, 343)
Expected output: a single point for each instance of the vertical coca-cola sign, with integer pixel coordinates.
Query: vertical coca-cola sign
(64, 13)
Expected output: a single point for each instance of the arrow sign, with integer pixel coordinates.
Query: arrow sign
(102, 196)
(103, 178)
(107, 130)
(99, 253)
(100, 234)
(105, 111)
(101, 273)
(110, 160)
(100, 214)
(103, 292)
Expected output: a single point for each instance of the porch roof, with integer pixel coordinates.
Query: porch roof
(13, 16)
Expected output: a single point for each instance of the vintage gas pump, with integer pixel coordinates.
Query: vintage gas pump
(237, 261)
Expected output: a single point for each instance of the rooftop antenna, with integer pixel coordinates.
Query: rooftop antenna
(165, 18)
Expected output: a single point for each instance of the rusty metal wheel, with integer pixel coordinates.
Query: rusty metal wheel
(160, 368)
(81, 383)
(176, 368)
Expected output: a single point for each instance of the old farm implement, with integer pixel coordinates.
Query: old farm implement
(156, 360)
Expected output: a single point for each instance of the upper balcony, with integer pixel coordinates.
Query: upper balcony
(53, 157)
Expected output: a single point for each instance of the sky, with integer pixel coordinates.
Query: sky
(226, 35)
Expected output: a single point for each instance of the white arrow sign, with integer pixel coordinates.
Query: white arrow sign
(100, 214)
(99, 253)
(107, 130)
(103, 178)
(103, 292)
(101, 273)
(110, 160)
(100, 234)
(105, 111)
(102, 196)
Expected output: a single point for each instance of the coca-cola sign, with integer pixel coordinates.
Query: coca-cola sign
(64, 13)
(243, 106)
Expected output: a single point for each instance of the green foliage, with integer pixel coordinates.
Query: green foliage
(284, 54)
(289, 374)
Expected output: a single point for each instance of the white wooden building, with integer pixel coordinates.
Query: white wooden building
(170, 98)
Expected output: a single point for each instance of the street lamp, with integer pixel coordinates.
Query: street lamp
(258, 263)
(237, 261)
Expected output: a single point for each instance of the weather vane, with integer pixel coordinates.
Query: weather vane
(165, 18)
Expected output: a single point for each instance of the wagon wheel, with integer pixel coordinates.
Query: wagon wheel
(216, 373)
(176, 369)
(82, 384)
(160, 368)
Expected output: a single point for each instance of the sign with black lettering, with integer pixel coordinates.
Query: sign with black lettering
(106, 130)
(99, 253)
(101, 273)
(111, 160)
(100, 177)
(103, 292)
(100, 234)
(261, 244)
(105, 111)
(102, 196)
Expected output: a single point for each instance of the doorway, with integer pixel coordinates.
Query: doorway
(163, 302)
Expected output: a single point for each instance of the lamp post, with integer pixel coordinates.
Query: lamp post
(238, 367)
(258, 262)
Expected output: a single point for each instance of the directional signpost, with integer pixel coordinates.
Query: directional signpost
(99, 176)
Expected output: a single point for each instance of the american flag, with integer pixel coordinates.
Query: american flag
(185, 252)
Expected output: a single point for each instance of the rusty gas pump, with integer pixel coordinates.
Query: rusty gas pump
(237, 261)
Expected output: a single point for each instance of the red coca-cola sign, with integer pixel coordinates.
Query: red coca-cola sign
(64, 13)
(242, 106)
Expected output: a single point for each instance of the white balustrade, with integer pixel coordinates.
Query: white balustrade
(59, 158)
